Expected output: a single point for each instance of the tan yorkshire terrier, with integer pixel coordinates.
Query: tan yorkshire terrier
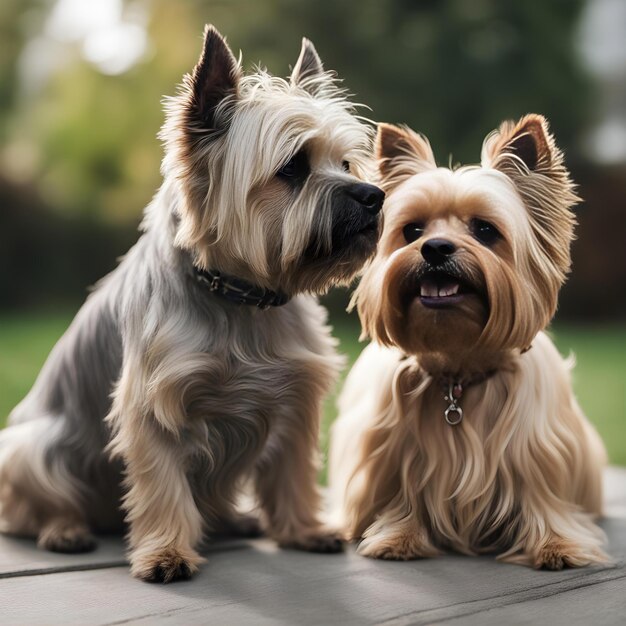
(196, 370)
(458, 426)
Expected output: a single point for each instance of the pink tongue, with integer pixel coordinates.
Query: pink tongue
(430, 289)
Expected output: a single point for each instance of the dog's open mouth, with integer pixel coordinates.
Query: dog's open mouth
(438, 289)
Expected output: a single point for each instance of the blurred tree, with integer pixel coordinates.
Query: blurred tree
(14, 33)
(97, 133)
(450, 69)
(84, 142)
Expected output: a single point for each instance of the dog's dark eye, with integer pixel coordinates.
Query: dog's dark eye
(296, 169)
(412, 232)
(346, 166)
(484, 231)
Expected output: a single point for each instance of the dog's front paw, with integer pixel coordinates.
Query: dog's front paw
(401, 546)
(66, 536)
(327, 542)
(165, 566)
(558, 553)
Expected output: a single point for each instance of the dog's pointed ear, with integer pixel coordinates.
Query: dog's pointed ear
(308, 67)
(401, 153)
(526, 152)
(216, 76)
(522, 147)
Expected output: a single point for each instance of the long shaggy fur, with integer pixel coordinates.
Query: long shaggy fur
(163, 403)
(521, 474)
(270, 119)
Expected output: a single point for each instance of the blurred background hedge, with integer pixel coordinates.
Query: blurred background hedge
(81, 82)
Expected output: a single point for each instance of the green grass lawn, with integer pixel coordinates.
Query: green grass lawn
(25, 341)
(599, 377)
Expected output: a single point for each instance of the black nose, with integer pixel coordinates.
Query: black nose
(437, 251)
(368, 196)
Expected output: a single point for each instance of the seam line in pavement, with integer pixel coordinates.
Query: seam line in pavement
(44, 571)
(446, 613)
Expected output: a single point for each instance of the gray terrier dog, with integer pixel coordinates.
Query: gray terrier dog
(198, 367)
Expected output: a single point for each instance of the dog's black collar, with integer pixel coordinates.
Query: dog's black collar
(239, 291)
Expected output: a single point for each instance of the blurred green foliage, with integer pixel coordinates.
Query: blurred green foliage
(79, 156)
(451, 69)
(12, 40)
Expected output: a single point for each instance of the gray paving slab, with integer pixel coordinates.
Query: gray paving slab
(595, 605)
(253, 582)
(19, 557)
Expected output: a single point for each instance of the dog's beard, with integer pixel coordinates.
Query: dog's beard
(435, 309)
(342, 237)
(296, 241)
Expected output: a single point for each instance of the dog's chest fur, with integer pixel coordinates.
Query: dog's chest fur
(227, 378)
(241, 395)
(247, 398)
(227, 381)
